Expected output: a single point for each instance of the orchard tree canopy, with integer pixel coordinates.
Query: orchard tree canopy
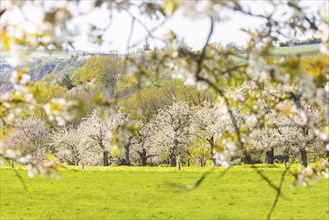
(255, 90)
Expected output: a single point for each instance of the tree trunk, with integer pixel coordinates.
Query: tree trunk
(270, 156)
(127, 159)
(144, 158)
(144, 161)
(172, 160)
(188, 162)
(106, 158)
(172, 157)
(247, 159)
(303, 157)
(126, 151)
(286, 157)
(212, 144)
(201, 162)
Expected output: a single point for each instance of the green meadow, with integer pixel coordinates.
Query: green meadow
(158, 193)
(304, 50)
(301, 50)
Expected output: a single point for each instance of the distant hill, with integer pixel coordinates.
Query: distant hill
(42, 63)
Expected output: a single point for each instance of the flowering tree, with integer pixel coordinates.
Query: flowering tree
(173, 130)
(99, 131)
(97, 134)
(143, 143)
(209, 123)
(289, 133)
(72, 149)
(30, 137)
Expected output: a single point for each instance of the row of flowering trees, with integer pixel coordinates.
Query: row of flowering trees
(177, 132)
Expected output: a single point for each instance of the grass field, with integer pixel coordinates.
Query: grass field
(157, 193)
(302, 50)
(305, 50)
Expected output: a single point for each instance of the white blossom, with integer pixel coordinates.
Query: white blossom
(252, 120)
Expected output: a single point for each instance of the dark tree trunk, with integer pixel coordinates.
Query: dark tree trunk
(212, 144)
(127, 159)
(106, 158)
(303, 157)
(172, 157)
(286, 157)
(270, 156)
(247, 159)
(126, 152)
(327, 153)
(188, 157)
(172, 160)
(144, 161)
(142, 155)
(201, 162)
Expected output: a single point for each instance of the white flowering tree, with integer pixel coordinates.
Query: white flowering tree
(143, 144)
(277, 121)
(209, 123)
(102, 131)
(93, 140)
(97, 134)
(31, 138)
(173, 131)
(286, 135)
(72, 149)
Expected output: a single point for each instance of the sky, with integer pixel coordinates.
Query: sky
(194, 32)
